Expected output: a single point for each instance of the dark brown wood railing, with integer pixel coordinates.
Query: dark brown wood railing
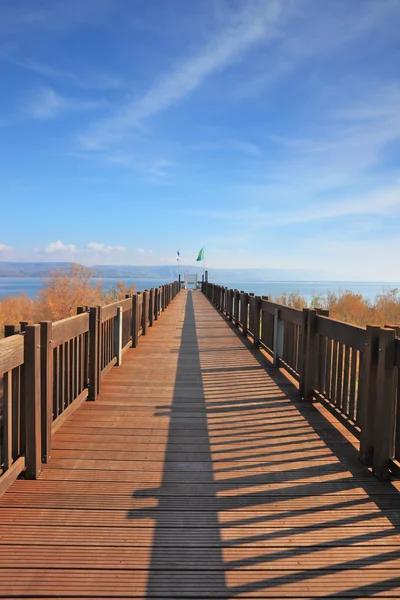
(353, 371)
(49, 369)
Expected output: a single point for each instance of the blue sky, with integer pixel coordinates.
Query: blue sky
(265, 130)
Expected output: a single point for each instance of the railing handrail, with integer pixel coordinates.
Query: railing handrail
(51, 368)
(353, 370)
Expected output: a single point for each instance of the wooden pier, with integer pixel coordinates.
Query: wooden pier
(198, 472)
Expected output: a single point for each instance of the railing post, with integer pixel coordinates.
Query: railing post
(118, 336)
(368, 393)
(32, 424)
(17, 408)
(46, 373)
(244, 313)
(236, 295)
(156, 301)
(307, 375)
(385, 414)
(303, 342)
(151, 307)
(257, 321)
(145, 311)
(94, 352)
(278, 337)
(11, 330)
(135, 321)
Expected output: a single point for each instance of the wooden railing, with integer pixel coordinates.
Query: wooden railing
(49, 369)
(353, 371)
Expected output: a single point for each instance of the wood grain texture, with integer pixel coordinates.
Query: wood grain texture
(198, 473)
(11, 353)
(69, 328)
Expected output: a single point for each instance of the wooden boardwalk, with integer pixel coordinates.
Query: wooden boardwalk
(198, 474)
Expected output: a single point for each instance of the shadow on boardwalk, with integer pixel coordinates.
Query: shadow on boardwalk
(261, 496)
(184, 537)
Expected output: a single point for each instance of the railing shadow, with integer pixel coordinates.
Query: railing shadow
(270, 499)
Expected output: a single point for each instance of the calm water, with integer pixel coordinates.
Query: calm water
(308, 289)
(11, 286)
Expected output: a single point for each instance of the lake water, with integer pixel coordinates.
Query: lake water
(308, 289)
(12, 286)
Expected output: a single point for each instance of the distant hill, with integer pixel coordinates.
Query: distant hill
(43, 269)
(27, 269)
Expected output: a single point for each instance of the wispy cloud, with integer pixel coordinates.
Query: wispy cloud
(82, 77)
(315, 34)
(104, 247)
(48, 104)
(5, 248)
(59, 246)
(51, 15)
(246, 28)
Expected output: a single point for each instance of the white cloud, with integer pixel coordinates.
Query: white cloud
(48, 104)
(5, 248)
(379, 203)
(104, 248)
(59, 246)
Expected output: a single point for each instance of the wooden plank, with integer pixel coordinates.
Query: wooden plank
(353, 382)
(67, 329)
(109, 366)
(310, 362)
(135, 320)
(7, 425)
(11, 353)
(118, 337)
(8, 478)
(15, 400)
(33, 402)
(385, 404)
(110, 311)
(94, 357)
(368, 395)
(344, 333)
(46, 373)
(292, 315)
(339, 396)
(335, 353)
(60, 420)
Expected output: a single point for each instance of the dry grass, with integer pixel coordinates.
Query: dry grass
(352, 308)
(60, 297)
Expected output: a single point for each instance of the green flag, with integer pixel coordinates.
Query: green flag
(201, 255)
